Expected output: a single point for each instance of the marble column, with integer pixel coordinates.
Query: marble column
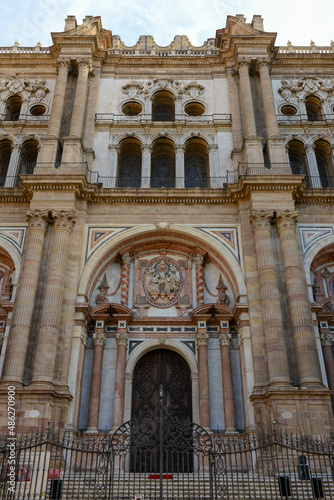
(52, 305)
(113, 170)
(247, 108)
(229, 412)
(18, 340)
(202, 340)
(119, 393)
(99, 340)
(80, 99)
(326, 343)
(179, 166)
(276, 351)
(146, 166)
(307, 359)
(199, 266)
(313, 171)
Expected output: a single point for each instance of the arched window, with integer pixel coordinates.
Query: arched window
(129, 163)
(163, 108)
(5, 152)
(29, 153)
(325, 162)
(13, 108)
(163, 164)
(196, 164)
(297, 157)
(313, 108)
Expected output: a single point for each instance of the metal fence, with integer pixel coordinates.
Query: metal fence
(165, 459)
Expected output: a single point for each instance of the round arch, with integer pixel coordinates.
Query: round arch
(151, 345)
(312, 253)
(215, 248)
(14, 255)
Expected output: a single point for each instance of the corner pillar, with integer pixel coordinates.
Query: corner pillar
(326, 343)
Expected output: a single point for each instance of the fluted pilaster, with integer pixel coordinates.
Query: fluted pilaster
(298, 301)
(58, 98)
(247, 108)
(48, 335)
(80, 98)
(202, 340)
(229, 412)
(270, 300)
(18, 340)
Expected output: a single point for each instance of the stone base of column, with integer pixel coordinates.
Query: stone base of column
(252, 150)
(35, 407)
(281, 385)
(72, 151)
(307, 412)
(277, 152)
(91, 430)
(49, 151)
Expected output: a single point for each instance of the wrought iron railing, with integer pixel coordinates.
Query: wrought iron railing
(182, 462)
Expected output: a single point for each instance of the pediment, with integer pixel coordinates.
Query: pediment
(236, 27)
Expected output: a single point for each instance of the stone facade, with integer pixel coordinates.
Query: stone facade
(167, 198)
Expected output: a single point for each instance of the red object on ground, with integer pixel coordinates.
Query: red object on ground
(157, 476)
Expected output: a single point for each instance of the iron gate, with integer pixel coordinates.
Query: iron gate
(185, 462)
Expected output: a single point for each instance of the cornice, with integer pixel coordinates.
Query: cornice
(311, 196)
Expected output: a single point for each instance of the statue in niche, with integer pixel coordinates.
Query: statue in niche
(221, 288)
(104, 287)
(317, 295)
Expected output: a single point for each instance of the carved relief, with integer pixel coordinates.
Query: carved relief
(223, 298)
(162, 282)
(104, 287)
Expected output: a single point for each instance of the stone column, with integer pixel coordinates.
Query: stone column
(146, 166)
(14, 166)
(18, 340)
(58, 98)
(125, 279)
(49, 331)
(203, 375)
(276, 146)
(80, 98)
(119, 393)
(270, 300)
(225, 341)
(214, 181)
(247, 108)
(99, 340)
(313, 170)
(179, 166)
(50, 146)
(199, 265)
(235, 109)
(307, 359)
(113, 169)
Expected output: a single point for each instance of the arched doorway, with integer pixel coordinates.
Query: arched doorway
(166, 368)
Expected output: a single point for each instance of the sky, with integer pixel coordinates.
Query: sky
(300, 21)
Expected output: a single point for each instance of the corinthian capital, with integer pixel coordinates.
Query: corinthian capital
(202, 338)
(286, 220)
(261, 219)
(99, 338)
(245, 61)
(122, 339)
(225, 339)
(326, 338)
(63, 221)
(38, 219)
(84, 63)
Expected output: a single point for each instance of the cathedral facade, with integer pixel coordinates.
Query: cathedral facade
(167, 230)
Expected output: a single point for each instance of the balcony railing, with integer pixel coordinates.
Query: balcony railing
(111, 117)
(24, 118)
(136, 182)
(306, 117)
